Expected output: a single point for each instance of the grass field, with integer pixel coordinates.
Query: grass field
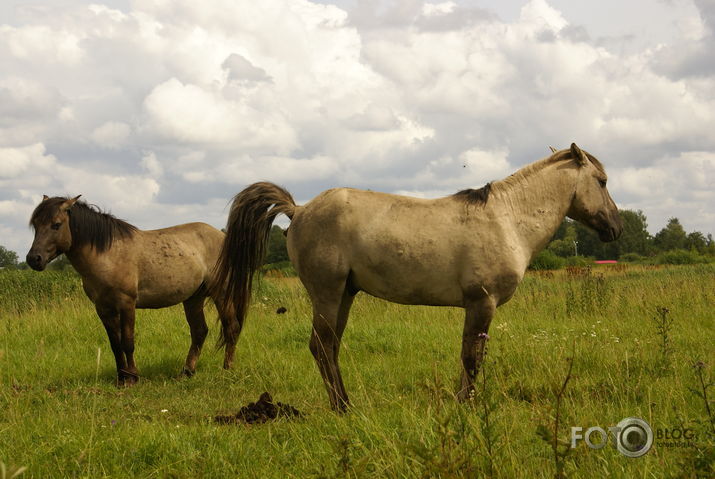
(62, 416)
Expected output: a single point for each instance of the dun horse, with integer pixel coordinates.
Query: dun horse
(470, 249)
(124, 268)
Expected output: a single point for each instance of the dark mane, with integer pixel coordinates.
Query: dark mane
(476, 197)
(88, 224)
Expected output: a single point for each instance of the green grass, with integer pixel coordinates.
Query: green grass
(61, 416)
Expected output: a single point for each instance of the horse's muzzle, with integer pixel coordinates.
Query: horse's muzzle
(35, 261)
(610, 232)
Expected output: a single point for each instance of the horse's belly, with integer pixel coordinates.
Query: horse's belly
(159, 300)
(410, 287)
(168, 289)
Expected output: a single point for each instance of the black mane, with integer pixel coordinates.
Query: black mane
(88, 224)
(476, 197)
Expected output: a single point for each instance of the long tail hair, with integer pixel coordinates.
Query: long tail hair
(244, 248)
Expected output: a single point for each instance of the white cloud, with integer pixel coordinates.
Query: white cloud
(437, 9)
(111, 134)
(17, 161)
(55, 45)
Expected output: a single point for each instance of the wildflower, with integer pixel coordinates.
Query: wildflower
(164, 410)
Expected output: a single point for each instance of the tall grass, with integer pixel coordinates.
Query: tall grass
(60, 414)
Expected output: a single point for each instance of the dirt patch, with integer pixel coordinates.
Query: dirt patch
(263, 410)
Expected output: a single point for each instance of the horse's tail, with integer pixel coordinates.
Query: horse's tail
(244, 248)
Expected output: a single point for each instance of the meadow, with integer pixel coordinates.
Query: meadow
(62, 416)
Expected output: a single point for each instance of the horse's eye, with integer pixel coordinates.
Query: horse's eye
(602, 183)
(56, 226)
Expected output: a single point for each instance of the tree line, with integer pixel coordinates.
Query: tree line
(574, 239)
(571, 240)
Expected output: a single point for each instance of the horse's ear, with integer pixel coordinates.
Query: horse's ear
(578, 155)
(45, 197)
(69, 203)
(553, 150)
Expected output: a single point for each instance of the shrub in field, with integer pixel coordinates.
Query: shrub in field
(547, 260)
(681, 256)
(664, 326)
(281, 269)
(578, 271)
(587, 293)
(699, 461)
(24, 290)
(579, 261)
(632, 258)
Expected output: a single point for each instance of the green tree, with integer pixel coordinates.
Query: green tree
(277, 250)
(564, 246)
(635, 237)
(672, 236)
(710, 245)
(7, 257)
(696, 241)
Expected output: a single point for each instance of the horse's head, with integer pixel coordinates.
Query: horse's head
(592, 205)
(51, 223)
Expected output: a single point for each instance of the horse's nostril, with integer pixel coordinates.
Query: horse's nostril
(34, 259)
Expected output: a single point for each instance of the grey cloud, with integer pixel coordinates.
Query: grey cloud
(691, 59)
(376, 15)
(241, 69)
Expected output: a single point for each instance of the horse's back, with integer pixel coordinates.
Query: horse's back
(174, 262)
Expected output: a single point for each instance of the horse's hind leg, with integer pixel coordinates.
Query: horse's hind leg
(194, 310)
(343, 313)
(479, 314)
(330, 314)
(230, 329)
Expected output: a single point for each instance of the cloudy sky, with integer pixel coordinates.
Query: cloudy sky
(160, 111)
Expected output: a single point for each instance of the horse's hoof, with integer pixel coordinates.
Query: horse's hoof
(127, 378)
(466, 395)
(127, 382)
(186, 373)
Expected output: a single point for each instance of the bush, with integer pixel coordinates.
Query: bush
(681, 256)
(281, 268)
(632, 258)
(579, 261)
(23, 290)
(547, 260)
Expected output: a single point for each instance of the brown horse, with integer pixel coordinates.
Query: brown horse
(470, 249)
(124, 268)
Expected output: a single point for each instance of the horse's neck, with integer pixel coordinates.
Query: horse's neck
(84, 260)
(538, 203)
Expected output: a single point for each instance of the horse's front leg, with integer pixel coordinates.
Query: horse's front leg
(129, 374)
(479, 313)
(112, 324)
